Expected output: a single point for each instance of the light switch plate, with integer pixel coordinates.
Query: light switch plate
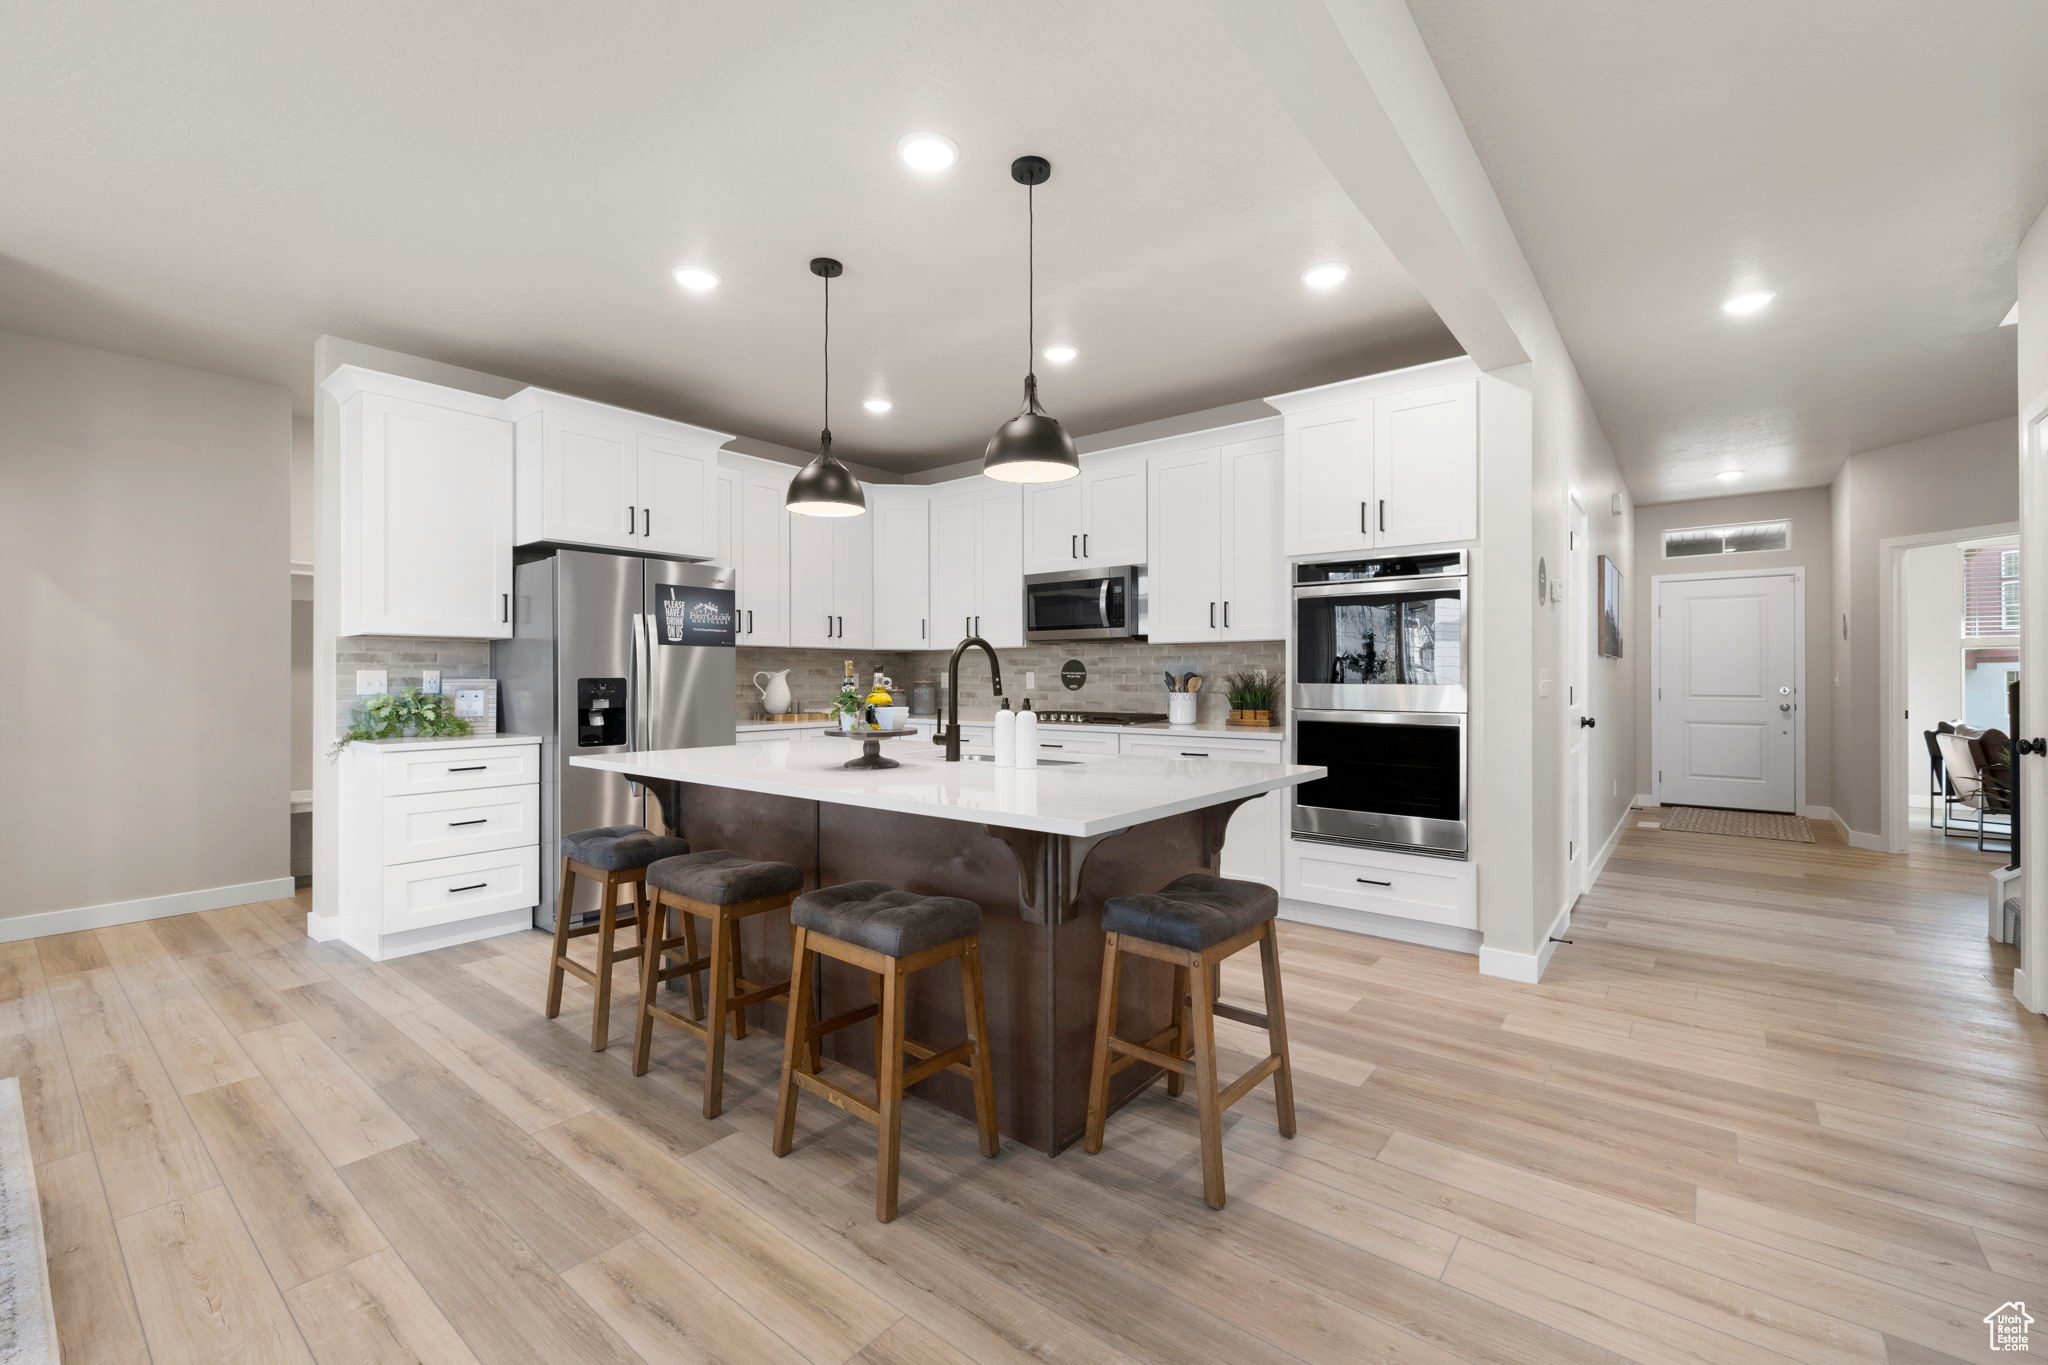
(1542, 682)
(371, 681)
(1030, 680)
(430, 681)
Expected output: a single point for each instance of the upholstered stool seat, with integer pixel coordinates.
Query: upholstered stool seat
(882, 919)
(724, 888)
(1193, 923)
(619, 848)
(613, 856)
(891, 933)
(1193, 912)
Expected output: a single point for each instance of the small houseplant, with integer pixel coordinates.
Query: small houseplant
(847, 707)
(1251, 696)
(406, 712)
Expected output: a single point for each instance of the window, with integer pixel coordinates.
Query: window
(1749, 538)
(2008, 563)
(1991, 590)
(2009, 604)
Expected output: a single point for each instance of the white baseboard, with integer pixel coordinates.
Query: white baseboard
(1526, 968)
(1607, 849)
(150, 907)
(323, 928)
(1644, 799)
(1858, 839)
(1366, 923)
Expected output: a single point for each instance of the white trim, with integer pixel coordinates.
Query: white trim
(1581, 650)
(149, 907)
(1893, 821)
(1856, 838)
(1376, 385)
(1526, 968)
(1797, 573)
(1369, 925)
(1642, 799)
(1599, 863)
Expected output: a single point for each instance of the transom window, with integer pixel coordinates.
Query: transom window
(1753, 537)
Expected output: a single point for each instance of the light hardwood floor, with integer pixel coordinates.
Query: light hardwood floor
(1774, 1102)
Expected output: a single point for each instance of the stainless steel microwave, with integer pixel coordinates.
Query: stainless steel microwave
(1084, 604)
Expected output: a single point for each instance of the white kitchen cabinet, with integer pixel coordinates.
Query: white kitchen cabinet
(592, 474)
(426, 509)
(1253, 841)
(1329, 483)
(903, 566)
(831, 578)
(1095, 520)
(1216, 570)
(1426, 465)
(753, 540)
(1436, 891)
(977, 576)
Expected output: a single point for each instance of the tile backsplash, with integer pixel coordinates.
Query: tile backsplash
(401, 658)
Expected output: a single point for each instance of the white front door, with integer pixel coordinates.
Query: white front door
(1727, 673)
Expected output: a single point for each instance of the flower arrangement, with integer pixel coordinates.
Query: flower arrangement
(408, 711)
(846, 708)
(1251, 696)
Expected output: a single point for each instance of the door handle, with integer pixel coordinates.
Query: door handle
(1383, 516)
(1185, 754)
(629, 518)
(1074, 546)
(1368, 881)
(647, 521)
(458, 824)
(1363, 527)
(1226, 616)
(1084, 545)
(1784, 706)
(1051, 746)
(505, 607)
(750, 620)
(472, 768)
(473, 886)
(977, 625)
(1587, 722)
(920, 628)
(2036, 747)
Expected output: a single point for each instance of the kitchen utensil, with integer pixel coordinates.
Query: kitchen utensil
(1184, 682)
(1180, 709)
(1172, 683)
(1194, 682)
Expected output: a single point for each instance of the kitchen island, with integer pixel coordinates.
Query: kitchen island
(1039, 849)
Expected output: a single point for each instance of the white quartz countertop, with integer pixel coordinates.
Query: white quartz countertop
(399, 746)
(1160, 727)
(1088, 794)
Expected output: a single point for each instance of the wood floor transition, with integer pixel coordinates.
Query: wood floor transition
(1774, 1102)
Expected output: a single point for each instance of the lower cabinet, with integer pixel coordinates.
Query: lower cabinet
(1252, 843)
(438, 842)
(1440, 891)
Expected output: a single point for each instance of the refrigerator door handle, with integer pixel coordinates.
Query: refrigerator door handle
(637, 684)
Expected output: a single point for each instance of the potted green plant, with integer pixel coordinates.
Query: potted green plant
(1251, 696)
(408, 712)
(846, 708)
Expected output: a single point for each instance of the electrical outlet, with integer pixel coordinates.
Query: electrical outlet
(430, 681)
(1030, 681)
(371, 681)
(1542, 682)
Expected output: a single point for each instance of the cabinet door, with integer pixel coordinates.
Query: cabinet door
(1113, 514)
(956, 565)
(427, 539)
(999, 564)
(1426, 464)
(1052, 525)
(1254, 583)
(1186, 537)
(1329, 472)
(903, 568)
(589, 482)
(677, 512)
(764, 557)
(853, 578)
(812, 610)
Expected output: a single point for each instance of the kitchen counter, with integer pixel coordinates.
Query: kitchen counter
(1151, 728)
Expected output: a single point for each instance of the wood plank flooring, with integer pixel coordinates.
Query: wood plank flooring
(1773, 1103)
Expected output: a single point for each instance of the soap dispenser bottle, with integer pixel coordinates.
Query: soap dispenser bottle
(1027, 736)
(1006, 736)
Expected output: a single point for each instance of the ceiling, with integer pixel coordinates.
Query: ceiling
(507, 187)
(1876, 162)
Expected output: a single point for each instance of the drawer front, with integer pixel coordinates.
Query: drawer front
(444, 890)
(1076, 742)
(426, 770)
(1203, 746)
(443, 824)
(1342, 877)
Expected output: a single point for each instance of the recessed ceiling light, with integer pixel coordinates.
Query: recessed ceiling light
(2012, 316)
(695, 278)
(878, 406)
(1059, 355)
(1729, 475)
(927, 152)
(1755, 302)
(1327, 276)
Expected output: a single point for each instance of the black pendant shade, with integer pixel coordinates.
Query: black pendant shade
(825, 487)
(1031, 447)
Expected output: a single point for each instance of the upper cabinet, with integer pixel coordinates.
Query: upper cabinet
(753, 540)
(1216, 569)
(1094, 520)
(426, 509)
(977, 545)
(1384, 462)
(903, 566)
(831, 580)
(590, 474)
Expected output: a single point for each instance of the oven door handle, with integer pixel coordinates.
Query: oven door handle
(1444, 719)
(1452, 585)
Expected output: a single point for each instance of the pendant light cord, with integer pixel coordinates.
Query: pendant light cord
(828, 354)
(1030, 277)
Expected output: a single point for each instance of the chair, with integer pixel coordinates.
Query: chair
(613, 856)
(1979, 769)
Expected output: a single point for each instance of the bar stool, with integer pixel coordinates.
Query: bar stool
(1193, 923)
(724, 888)
(614, 856)
(892, 933)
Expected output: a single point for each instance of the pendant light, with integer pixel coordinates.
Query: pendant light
(1031, 447)
(825, 487)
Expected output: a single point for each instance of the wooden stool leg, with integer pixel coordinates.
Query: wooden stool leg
(642, 904)
(714, 1032)
(650, 981)
(975, 1011)
(564, 899)
(1105, 1025)
(814, 1054)
(800, 986)
(690, 955)
(1211, 1116)
(1175, 1083)
(607, 934)
(739, 1018)
(1276, 1030)
(889, 1086)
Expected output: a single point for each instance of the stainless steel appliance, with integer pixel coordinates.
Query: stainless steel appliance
(611, 653)
(1380, 700)
(1084, 604)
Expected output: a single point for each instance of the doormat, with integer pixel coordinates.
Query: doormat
(1742, 824)
(28, 1327)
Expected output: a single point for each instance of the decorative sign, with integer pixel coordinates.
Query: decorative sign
(695, 616)
(1072, 674)
(474, 700)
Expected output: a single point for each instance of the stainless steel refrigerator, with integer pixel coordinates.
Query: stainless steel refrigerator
(611, 653)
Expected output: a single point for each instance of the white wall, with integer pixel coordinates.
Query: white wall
(144, 630)
(1809, 549)
(1931, 612)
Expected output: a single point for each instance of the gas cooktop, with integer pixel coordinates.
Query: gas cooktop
(1101, 717)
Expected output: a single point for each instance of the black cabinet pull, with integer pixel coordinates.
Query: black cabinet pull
(1383, 516)
(472, 768)
(629, 518)
(920, 628)
(1367, 881)
(480, 820)
(505, 606)
(1212, 616)
(1084, 545)
(1186, 754)
(1074, 546)
(750, 620)
(1362, 527)
(1051, 746)
(1226, 616)
(473, 886)
(647, 521)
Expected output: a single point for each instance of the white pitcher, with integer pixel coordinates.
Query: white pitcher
(775, 700)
